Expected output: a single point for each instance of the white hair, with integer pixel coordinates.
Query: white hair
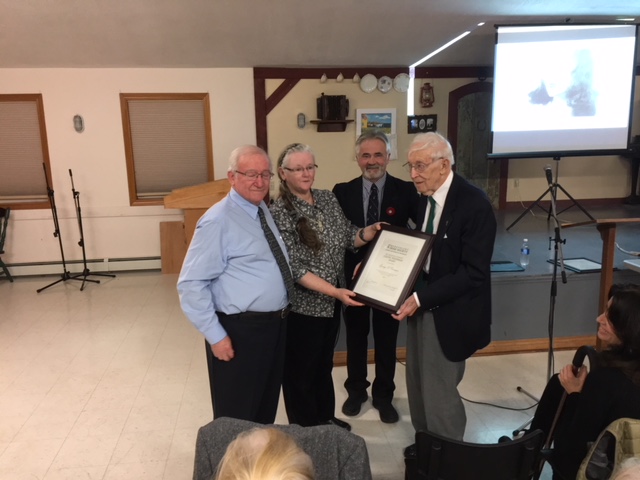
(629, 470)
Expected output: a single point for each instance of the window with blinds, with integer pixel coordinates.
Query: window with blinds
(167, 143)
(24, 154)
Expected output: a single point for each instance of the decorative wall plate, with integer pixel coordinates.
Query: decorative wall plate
(384, 84)
(368, 83)
(401, 83)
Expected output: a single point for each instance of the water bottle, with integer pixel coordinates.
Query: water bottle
(524, 254)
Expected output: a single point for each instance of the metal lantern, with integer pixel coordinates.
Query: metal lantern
(426, 96)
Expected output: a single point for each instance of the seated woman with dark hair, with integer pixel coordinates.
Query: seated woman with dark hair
(609, 392)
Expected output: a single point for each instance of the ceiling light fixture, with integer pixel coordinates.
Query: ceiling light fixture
(410, 92)
(438, 50)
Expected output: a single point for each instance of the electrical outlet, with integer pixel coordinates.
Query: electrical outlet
(516, 182)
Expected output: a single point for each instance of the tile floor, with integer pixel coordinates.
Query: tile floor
(110, 383)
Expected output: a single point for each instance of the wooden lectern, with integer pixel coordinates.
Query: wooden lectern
(607, 229)
(176, 236)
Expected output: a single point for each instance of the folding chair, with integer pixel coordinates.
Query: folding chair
(4, 221)
(440, 458)
(617, 443)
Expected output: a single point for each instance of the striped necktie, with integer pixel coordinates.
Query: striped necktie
(283, 265)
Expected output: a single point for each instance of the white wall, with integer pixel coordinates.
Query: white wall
(112, 228)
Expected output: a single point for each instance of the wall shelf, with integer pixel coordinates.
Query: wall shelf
(331, 125)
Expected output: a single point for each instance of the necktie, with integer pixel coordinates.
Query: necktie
(277, 253)
(432, 214)
(372, 207)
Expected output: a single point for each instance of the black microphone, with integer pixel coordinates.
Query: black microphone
(547, 172)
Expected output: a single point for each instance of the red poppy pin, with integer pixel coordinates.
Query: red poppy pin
(391, 211)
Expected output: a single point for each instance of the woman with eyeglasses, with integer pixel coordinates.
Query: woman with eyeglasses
(316, 234)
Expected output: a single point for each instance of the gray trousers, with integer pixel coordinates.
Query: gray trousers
(432, 381)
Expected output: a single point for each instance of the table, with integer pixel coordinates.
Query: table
(633, 264)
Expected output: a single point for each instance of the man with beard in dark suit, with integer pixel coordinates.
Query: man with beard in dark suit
(374, 196)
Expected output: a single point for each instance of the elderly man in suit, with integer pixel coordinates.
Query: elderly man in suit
(374, 196)
(450, 311)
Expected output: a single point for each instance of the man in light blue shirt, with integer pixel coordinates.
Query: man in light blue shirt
(232, 289)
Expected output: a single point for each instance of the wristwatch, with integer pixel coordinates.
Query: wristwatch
(361, 235)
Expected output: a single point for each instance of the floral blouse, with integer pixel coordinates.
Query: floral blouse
(336, 233)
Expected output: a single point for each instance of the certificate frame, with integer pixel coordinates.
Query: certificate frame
(391, 266)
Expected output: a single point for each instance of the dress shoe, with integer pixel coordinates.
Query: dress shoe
(411, 451)
(388, 414)
(339, 423)
(351, 406)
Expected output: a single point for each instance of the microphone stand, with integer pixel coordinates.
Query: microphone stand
(56, 233)
(557, 255)
(85, 271)
(558, 258)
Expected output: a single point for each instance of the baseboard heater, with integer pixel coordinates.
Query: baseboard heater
(94, 265)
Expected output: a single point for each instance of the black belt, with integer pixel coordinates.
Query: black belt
(278, 314)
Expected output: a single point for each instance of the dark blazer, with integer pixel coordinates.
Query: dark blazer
(399, 204)
(458, 288)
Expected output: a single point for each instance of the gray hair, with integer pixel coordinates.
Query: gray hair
(372, 135)
(291, 149)
(240, 152)
(308, 236)
(432, 140)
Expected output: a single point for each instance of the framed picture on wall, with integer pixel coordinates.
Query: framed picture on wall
(422, 123)
(383, 119)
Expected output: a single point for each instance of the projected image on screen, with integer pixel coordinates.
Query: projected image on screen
(572, 86)
(562, 90)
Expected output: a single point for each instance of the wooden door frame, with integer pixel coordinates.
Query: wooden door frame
(452, 130)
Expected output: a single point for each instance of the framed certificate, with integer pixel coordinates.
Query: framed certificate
(389, 271)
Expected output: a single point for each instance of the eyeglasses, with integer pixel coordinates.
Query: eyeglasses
(419, 166)
(253, 175)
(300, 170)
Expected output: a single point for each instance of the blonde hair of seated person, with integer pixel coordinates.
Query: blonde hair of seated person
(630, 470)
(265, 454)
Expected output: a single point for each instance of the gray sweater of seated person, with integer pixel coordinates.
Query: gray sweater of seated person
(336, 453)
